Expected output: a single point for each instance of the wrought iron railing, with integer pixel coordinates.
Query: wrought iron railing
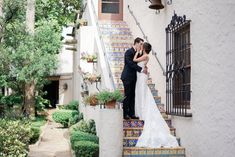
(146, 38)
(102, 45)
(178, 67)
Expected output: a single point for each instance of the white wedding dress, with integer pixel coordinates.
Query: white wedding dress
(156, 132)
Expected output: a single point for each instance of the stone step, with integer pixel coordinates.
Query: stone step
(136, 132)
(136, 123)
(153, 152)
(132, 141)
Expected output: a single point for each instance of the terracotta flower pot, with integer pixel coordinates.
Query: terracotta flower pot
(89, 61)
(93, 102)
(111, 104)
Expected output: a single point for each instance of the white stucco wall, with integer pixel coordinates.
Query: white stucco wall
(65, 96)
(211, 130)
(65, 70)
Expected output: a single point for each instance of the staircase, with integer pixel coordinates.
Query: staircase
(117, 39)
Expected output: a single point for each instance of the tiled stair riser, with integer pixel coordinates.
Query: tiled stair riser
(130, 152)
(131, 142)
(140, 123)
(130, 132)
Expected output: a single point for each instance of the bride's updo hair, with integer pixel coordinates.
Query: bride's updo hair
(147, 47)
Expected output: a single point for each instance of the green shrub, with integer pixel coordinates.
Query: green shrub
(107, 96)
(73, 105)
(88, 127)
(92, 126)
(15, 137)
(10, 100)
(86, 149)
(41, 103)
(82, 136)
(36, 128)
(63, 116)
(73, 120)
(35, 134)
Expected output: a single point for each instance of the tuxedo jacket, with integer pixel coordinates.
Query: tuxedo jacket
(130, 67)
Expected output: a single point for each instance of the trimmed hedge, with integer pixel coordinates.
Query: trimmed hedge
(82, 136)
(86, 149)
(88, 127)
(65, 117)
(73, 105)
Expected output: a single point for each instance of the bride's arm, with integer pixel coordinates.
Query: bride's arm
(142, 58)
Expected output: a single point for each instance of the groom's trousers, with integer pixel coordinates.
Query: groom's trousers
(129, 101)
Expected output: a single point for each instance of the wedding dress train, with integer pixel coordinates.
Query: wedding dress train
(156, 132)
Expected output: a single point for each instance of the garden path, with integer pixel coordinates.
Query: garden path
(54, 141)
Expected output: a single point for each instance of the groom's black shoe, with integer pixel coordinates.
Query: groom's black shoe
(126, 117)
(134, 117)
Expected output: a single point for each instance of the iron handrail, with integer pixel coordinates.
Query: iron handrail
(102, 45)
(146, 38)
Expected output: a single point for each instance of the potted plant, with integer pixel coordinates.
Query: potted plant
(90, 58)
(83, 22)
(91, 100)
(92, 77)
(109, 99)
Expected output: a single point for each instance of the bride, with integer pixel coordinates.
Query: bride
(156, 132)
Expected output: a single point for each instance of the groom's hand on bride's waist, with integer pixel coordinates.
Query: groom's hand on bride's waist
(145, 70)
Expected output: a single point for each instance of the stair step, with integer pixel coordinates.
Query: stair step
(132, 141)
(154, 92)
(117, 60)
(157, 99)
(151, 86)
(136, 132)
(161, 108)
(117, 49)
(117, 38)
(153, 152)
(136, 123)
(112, 23)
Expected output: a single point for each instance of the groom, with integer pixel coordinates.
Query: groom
(128, 78)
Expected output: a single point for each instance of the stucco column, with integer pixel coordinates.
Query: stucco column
(111, 133)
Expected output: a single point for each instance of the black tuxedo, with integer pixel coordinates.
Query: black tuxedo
(128, 78)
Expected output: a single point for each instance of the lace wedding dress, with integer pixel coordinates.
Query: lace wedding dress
(156, 132)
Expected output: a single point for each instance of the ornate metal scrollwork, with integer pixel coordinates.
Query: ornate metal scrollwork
(176, 21)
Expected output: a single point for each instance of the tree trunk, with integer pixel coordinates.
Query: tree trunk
(1, 7)
(1, 15)
(29, 102)
(29, 99)
(30, 15)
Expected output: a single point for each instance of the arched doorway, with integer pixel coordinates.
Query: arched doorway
(110, 10)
